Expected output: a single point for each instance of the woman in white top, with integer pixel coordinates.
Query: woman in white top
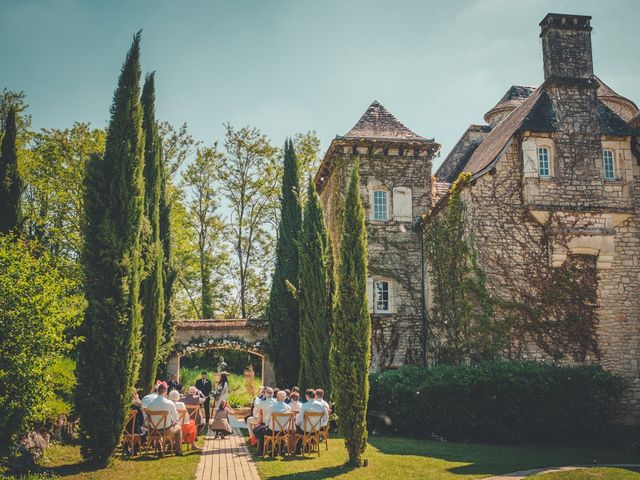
(295, 403)
(223, 388)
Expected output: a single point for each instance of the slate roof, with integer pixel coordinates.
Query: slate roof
(513, 98)
(378, 123)
(612, 124)
(605, 91)
(499, 137)
(459, 155)
(439, 190)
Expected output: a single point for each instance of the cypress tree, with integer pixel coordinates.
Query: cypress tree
(10, 183)
(152, 286)
(168, 268)
(351, 333)
(108, 359)
(283, 312)
(314, 295)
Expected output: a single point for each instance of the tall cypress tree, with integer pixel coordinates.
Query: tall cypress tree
(314, 295)
(283, 312)
(168, 268)
(152, 292)
(10, 183)
(108, 359)
(351, 334)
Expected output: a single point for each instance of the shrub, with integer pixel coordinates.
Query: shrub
(510, 402)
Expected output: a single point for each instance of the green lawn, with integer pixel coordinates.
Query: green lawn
(400, 458)
(66, 463)
(592, 474)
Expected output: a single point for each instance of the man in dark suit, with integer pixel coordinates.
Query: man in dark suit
(204, 385)
(173, 383)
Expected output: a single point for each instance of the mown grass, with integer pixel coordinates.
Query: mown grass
(238, 394)
(402, 458)
(626, 473)
(65, 462)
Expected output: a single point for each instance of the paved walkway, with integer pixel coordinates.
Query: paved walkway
(227, 459)
(534, 471)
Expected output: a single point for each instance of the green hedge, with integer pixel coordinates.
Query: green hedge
(510, 402)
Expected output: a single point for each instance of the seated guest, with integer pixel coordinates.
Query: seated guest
(136, 424)
(277, 407)
(171, 426)
(252, 418)
(263, 412)
(149, 397)
(297, 390)
(287, 398)
(174, 396)
(194, 397)
(325, 405)
(311, 405)
(220, 423)
(295, 402)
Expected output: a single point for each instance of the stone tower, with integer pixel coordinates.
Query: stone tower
(395, 174)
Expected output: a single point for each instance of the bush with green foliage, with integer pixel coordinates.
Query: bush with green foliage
(38, 306)
(499, 401)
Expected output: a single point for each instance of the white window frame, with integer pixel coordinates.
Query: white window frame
(543, 149)
(375, 206)
(612, 155)
(378, 296)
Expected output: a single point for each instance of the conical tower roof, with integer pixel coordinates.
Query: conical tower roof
(378, 123)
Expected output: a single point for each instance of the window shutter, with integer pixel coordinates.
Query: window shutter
(370, 300)
(402, 208)
(530, 158)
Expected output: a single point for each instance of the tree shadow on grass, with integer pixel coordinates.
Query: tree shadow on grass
(490, 460)
(325, 472)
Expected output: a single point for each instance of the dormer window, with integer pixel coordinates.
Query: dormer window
(608, 161)
(544, 162)
(380, 205)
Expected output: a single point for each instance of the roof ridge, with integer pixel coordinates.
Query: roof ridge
(378, 122)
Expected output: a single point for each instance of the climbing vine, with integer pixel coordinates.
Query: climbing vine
(462, 324)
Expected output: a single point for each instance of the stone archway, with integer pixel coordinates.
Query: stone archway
(197, 335)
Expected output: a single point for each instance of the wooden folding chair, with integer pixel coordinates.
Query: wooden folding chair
(311, 432)
(193, 415)
(157, 436)
(130, 438)
(281, 424)
(323, 435)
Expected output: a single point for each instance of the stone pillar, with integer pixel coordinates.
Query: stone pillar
(268, 374)
(173, 366)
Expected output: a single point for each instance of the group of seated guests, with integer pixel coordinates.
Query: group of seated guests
(175, 404)
(270, 401)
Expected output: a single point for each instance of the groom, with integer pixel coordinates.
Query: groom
(204, 385)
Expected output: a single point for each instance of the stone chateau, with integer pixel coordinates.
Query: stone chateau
(554, 165)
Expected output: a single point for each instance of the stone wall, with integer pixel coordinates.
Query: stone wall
(393, 245)
(502, 225)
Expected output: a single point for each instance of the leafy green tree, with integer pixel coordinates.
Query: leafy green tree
(10, 183)
(351, 333)
(177, 145)
(10, 99)
(53, 172)
(283, 312)
(314, 295)
(204, 222)
(108, 359)
(152, 293)
(307, 148)
(38, 305)
(247, 178)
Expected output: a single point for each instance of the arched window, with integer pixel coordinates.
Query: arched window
(380, 205)
(608, 161)
(544, 162)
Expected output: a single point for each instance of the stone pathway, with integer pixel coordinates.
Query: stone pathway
(227, 459)
(534, 471)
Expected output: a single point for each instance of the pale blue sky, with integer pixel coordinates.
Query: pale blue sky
(292, 66)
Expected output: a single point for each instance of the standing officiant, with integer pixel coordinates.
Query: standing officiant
(205, 386)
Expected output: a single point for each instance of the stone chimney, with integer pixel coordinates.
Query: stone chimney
(566, 46)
